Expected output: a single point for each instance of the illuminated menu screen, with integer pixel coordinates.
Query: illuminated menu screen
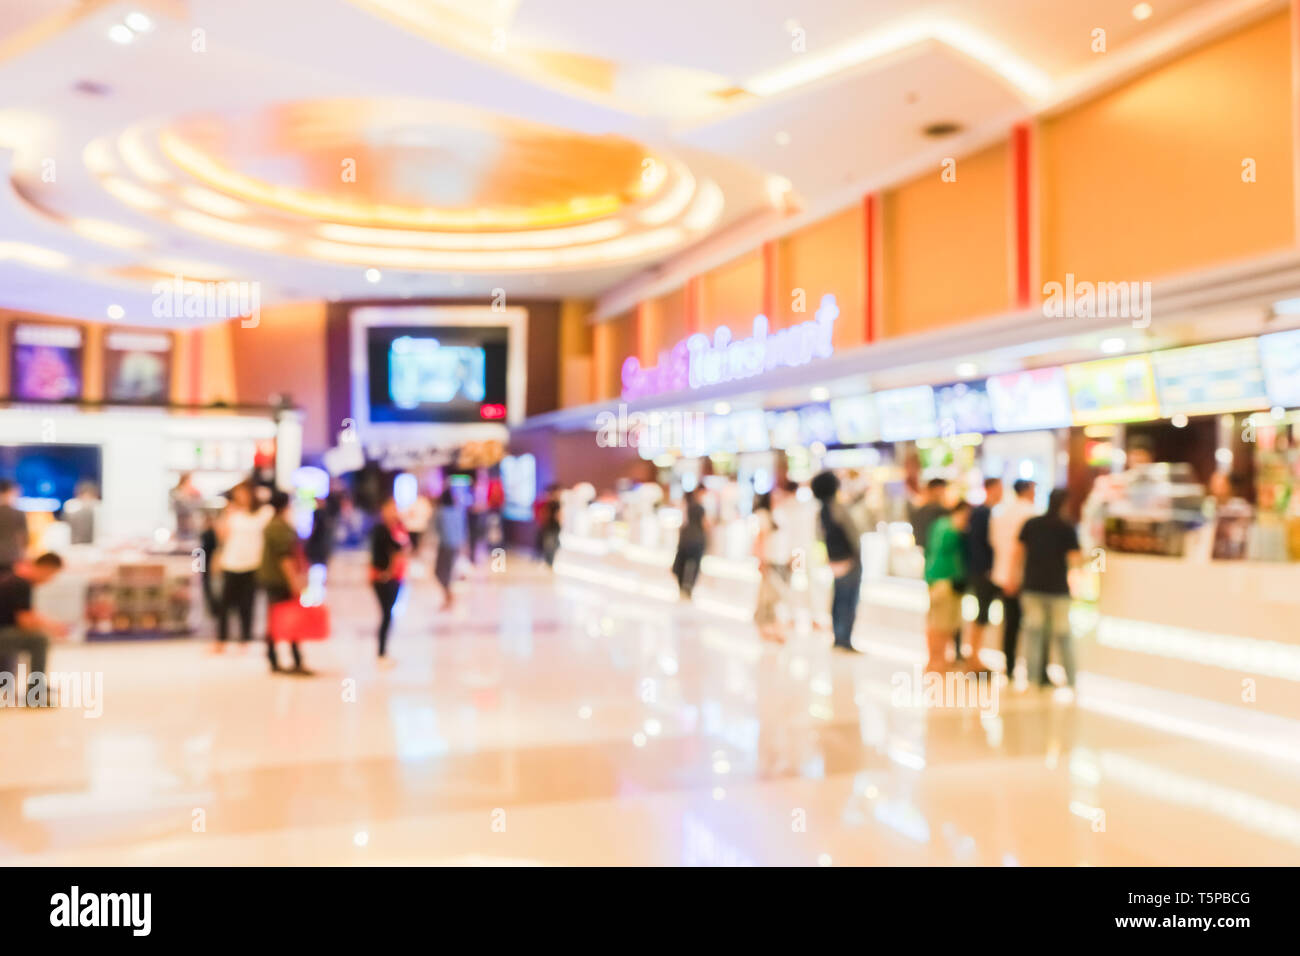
(1207, 379)
(1023, 401)
(816, 425)
(966, 406)
(1280, 355)
(855, 420)
(1113, 390)
(907, 413)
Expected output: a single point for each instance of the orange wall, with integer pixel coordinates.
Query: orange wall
(947, 245)
(1146, 181)
(732, 295)
(825, 257)
(284, 355)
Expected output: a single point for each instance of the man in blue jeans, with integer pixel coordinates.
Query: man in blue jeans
(843, 553)
(1049, 548)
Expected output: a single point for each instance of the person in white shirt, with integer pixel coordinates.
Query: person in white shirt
(772, 547)
(1004, 536)
(416, 520)
(239, 533)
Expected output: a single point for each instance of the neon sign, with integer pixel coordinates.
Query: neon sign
(699, 361)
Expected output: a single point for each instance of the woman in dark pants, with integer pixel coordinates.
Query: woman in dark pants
(843, 543)
(691, 543)
(389, 548)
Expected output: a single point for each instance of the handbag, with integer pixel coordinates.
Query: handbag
(290, 621)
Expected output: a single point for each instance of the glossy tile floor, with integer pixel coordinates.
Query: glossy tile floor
(548, 721)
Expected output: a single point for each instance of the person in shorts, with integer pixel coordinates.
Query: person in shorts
(945, 574)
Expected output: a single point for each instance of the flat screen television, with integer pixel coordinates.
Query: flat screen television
(48, 475)
(437, 374)
(45, 363)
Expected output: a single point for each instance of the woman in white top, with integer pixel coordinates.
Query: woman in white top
(239, 533)
(772, 548)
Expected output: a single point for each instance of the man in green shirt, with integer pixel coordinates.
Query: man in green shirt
(281, 573)
(945, 573)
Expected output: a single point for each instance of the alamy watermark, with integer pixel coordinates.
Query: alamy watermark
(1099, 300)
(181, 298)
(70, 690)
(955, 689)
(658, 430)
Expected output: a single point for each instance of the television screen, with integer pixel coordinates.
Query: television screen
(443, 374)
(966, 406)
(137, 366)
(907, 413)
(855, 420)
(48, 475)
(1209, 379)
(45, 363)
(1280, 353)
(1027, 401)
(1113, 390)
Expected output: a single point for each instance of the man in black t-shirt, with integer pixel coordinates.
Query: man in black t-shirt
(22, 629)
(1049, 548)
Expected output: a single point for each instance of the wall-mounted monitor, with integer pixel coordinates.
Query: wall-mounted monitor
(49, 475)
(1030, 400)
(45, 363)
(1113, 390)
(966, 406)
(137, 366)
(436, 374)
(1209, 379)
(1280, 355)
(906, 413)
(855, 420)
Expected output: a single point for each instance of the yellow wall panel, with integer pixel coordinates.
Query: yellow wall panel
(732, 295)
(1146, 181)
(828, 256)
(947, 245)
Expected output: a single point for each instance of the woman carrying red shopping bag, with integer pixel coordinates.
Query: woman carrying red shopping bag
(283, 575)
(390, 547)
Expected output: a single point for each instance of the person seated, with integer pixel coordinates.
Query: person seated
(24, 630)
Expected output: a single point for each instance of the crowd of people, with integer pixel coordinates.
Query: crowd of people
(999, 550)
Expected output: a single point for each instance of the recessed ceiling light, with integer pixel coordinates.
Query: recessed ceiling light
(722, 408)
(820, 394)
(139, 22)
(1113, 346)
(373, 275)
(120, 33)
(116, 312)
(967, 369)
(782, 138)
(1142, 11)
(1179, 421)
(940, 130)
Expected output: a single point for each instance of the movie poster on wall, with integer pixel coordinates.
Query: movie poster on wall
(138, 367)
(45, 363)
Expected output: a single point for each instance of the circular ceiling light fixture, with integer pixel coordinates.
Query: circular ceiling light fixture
(1142, 11)
(373, 276)
(120, 33)
(1113, 346)
(116, 312)
(967, 369)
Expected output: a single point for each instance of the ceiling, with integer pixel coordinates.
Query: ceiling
(327, 149)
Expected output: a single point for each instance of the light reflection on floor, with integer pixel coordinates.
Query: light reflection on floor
(559, 723)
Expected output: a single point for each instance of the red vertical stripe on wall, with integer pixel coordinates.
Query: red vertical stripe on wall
(769, 280)
(1020, 145)
(869, 265)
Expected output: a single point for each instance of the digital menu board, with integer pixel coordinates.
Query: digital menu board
(1208, 379)
(966, 406)
(1280, 355)
(783, 428)
(1025, 401)
(906, 413)
(750, 430)
(1113, 390)
(855, 420)
(137, 366)
(45, 363)
(816, 425)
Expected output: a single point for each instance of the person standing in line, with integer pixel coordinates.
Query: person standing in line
(452, 532)
(390, 547)
(185, 501)
(932, 508)
(843, 553)
(24, 630)
(549, 536)
(692, 540)
(772, 549)
(281, 574)
(1004, 535)
(239, 533)
(979, 564)
(13, 526)
(320, 540)
(945, 574)
(1049, 548)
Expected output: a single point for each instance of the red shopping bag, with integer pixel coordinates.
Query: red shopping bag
(290, 621)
